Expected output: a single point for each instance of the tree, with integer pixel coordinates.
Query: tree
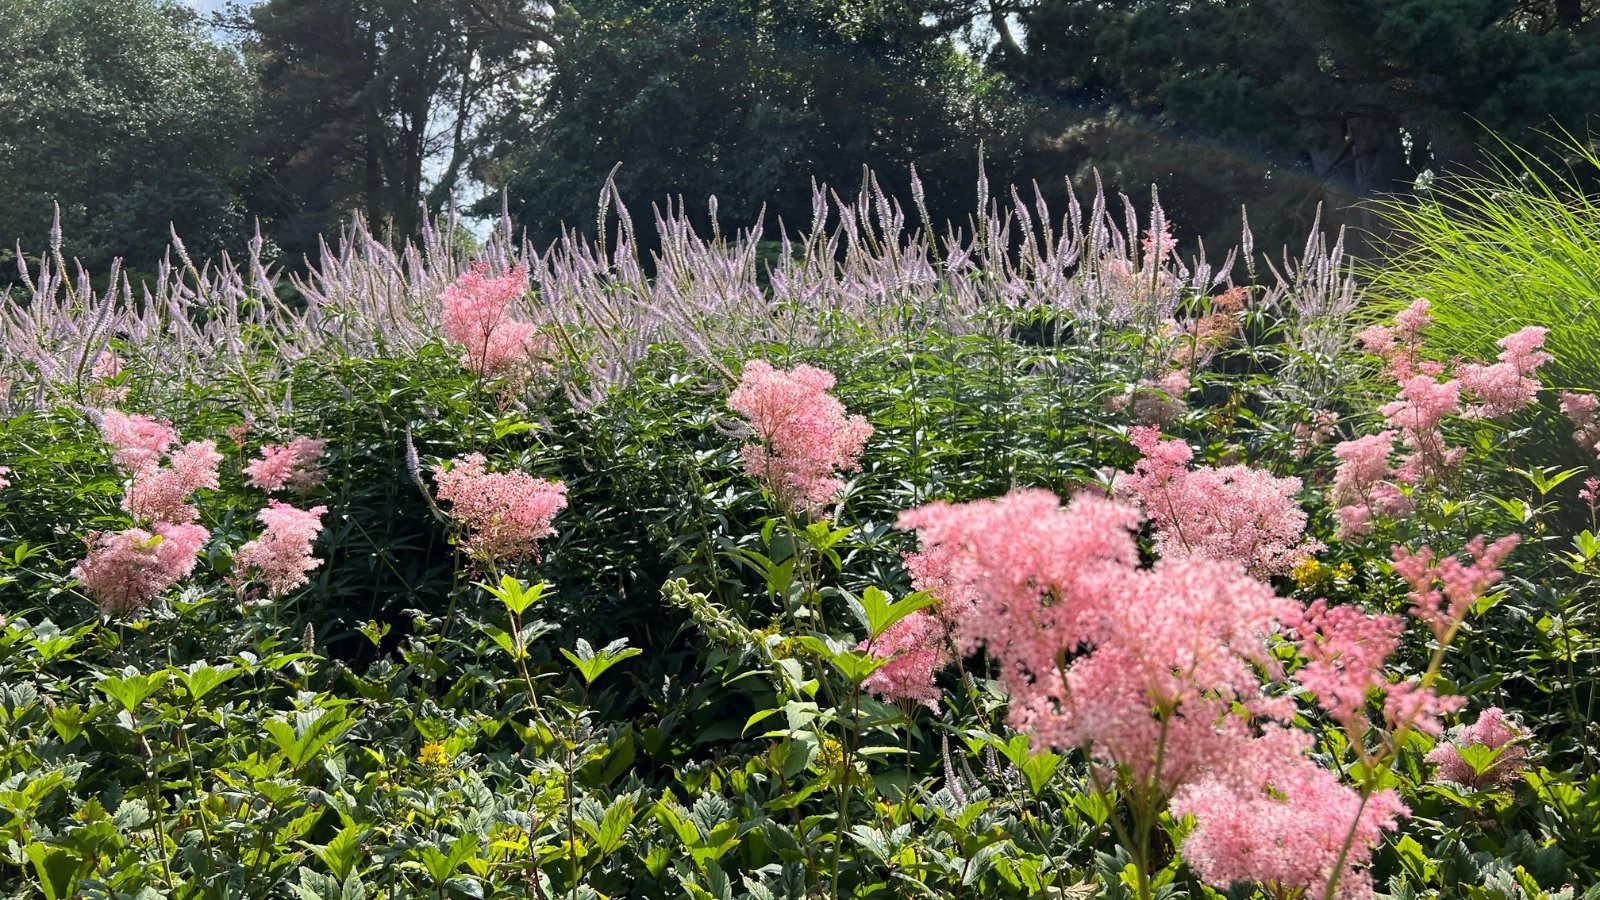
(1323, 99)
(359, 98)
(123, 113)
(744, 100)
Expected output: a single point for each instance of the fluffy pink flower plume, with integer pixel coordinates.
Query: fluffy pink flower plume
(107, 365)
(1580, 410)
(1315, 433)
(281, 557)
(1157, 245)
(1422, 405)
(126, 570)
(1054, 583)
(1158, 673)
(1234, 513)
(137, 441)
(474, 315)
(1510, 384)
(505, 513)
(1494, 732)
(161, 493)
(916, 649)
(1401, 345)
(292, 466)
(1281, 821)
(802, 433)
(1360, 489)
(4, 481)
(1345, 650)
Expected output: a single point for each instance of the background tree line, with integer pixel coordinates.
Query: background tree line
(137, 116)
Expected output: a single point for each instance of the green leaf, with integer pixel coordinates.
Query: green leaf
(591, 664)
(132, 688)
(340, 853)
(878, 613)
(57, 868)
(201, 680)
(516, 595)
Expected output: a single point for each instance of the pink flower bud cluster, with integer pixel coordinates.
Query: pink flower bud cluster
(1232, 513)
(1400, 345)
(505, 513)
(474, 315)
(125, 571)
(1509, 385)
(161, 493)
(1580, 409)
(1201, 338)
(1361, 486)
(281, 557)
(292, 466)
(1315, 433)
(1444, 590)
(1492, 731)
(1423, 404)
(1279, 821)
(917, 647)
(1365, 486)
(1090, 644)
(107, 367)
(802, 433)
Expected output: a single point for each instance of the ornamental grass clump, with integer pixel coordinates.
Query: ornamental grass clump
(802, 434)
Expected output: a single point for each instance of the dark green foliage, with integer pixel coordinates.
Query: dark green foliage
(744, 100)
(126, 114)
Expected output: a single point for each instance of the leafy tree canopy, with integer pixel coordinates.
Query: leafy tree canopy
(124, 112)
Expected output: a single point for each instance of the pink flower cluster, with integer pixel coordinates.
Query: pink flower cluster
(1234, 513)
(292, 466)
(505, 513)
(1158, 672)
(475, 316)
(802, 433)
(1201, 338)
(126, 570)
(1492, 731)
(1361, 488)
(1400, 345)
(1365, 485)
(1089, 643)
(281, 557)
(1509, 385)
(1315, 433)
(1156, 402)
(1580, 409)
(1444, 590)
(917, 648)
(1423, 404)
(161, 493)
(4, 481)
(1281, 822)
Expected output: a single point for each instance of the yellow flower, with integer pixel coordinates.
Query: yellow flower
(435, 757)
(1308, 572)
